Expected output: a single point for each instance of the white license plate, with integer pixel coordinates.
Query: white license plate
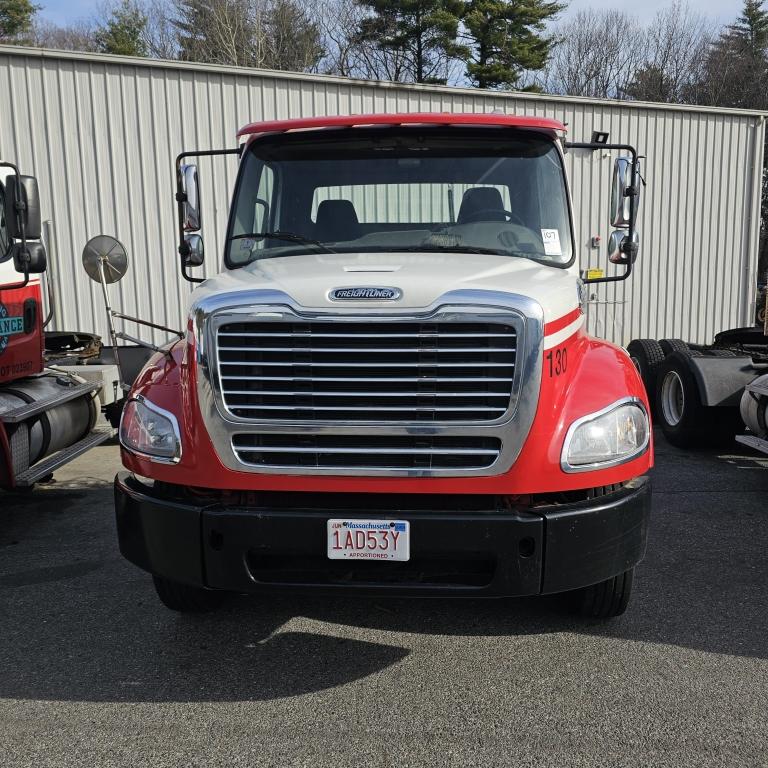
(369, 539)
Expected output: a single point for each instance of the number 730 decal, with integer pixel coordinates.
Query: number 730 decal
(556, 361)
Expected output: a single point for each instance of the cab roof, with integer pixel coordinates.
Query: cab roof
(413, 118)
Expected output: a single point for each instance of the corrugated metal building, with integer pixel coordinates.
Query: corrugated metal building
(101, 134)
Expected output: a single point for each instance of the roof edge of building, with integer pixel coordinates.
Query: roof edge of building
(135, 61)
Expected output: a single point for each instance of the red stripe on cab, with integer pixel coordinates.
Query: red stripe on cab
(562, 322)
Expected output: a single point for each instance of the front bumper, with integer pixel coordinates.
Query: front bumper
(486, 552)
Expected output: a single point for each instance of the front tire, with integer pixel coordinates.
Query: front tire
(186, 599)
(606, 599)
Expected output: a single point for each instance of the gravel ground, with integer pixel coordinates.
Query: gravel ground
(95, 672)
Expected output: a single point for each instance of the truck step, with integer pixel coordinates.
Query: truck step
(46, 466)
(24, 412)
(753, 442)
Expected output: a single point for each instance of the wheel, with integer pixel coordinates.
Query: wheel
(685, 421)
(186, 599)
(669, 346)
(647, 355)
(679, 410)
(606, 599)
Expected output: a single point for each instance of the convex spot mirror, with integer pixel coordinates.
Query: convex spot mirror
(105, 255)
(22, 189)
(190, 189)
(621, 203)
(619, 251)
(194, 255)
(30, 260)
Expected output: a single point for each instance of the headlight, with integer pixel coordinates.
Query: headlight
(150, 431)
(612, 436)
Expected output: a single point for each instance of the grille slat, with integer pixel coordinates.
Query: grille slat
(372, 350)
(296, 393)
(313, 364)
(397, 371)
(367, 409)
(389, 379)
(403, 453)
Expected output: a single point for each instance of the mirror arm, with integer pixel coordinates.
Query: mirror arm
(157, 327)
(19, 206)
(631, 192)
(181, 198)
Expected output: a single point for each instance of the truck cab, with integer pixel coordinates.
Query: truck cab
(389, 387)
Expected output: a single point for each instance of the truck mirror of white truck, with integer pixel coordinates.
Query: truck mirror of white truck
(191, 203)
(625, 197)
(196, 251)
(618, 247)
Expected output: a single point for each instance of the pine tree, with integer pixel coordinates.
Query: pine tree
(750, 31)
(736, 70)
(506, 39)
(16, 18)
(420, 35)
(123, 32)
(193, 18)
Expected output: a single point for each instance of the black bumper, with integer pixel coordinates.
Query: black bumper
(484, 553)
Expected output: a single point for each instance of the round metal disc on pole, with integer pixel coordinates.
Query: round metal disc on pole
(107, 254)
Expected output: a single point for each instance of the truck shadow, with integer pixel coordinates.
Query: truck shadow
(80, 624)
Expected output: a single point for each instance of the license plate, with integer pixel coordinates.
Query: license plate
(369, 539)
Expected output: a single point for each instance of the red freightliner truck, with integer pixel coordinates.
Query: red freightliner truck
(389, 387)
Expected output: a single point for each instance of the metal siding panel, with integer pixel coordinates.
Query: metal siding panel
(102, 134)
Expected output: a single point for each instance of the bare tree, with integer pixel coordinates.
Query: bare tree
(273, 34)
(597, 54)
(675, 44)
(160, 34)
(78, 36)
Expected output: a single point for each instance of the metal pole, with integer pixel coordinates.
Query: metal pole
(110, 323)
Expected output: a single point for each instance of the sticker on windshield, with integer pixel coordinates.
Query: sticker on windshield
(551, 238)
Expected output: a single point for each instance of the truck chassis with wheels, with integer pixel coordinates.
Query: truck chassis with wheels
(705, 395)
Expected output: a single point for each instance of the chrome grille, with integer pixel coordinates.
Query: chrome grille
(403, 452)
(356, 371)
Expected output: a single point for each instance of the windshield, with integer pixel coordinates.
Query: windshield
(493, 191)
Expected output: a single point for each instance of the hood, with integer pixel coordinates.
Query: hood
(421, 277)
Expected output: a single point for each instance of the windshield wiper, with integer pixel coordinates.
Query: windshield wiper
(291, 237)
(469, 249)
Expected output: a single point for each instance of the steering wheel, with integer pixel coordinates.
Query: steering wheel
(480, 212)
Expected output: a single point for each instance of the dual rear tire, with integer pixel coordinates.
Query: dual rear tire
(684, 419)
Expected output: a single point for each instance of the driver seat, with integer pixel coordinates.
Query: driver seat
(485, 199)
(336, 222)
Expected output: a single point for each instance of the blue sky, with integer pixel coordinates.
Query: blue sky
(723, 11)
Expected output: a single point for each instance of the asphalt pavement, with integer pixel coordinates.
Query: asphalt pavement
(95, 672)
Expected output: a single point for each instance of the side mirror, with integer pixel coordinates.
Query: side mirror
(620, 250)
(31, 259)
(623, 197)
(194, 255)
(191, 213)
(22, 189)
